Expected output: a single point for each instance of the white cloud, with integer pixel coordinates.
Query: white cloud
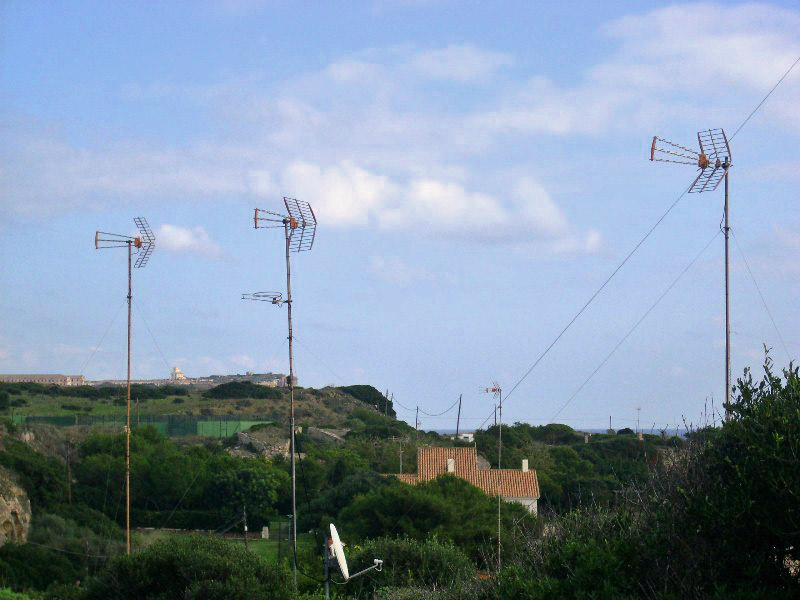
(462, 63)
(347, 195)
(194, 240)
(344, 195)
(364, 141)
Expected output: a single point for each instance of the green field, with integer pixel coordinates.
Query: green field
(278, 547)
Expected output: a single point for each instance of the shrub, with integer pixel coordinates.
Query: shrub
(369, 395)
(191, 568)
(242, 389)
(25, 566)
(407, 563)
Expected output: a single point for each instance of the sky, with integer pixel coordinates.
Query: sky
(477, 169)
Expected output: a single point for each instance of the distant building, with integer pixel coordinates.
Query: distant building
(466, 437)
(513, 485)
(177, 375)
(66, 380)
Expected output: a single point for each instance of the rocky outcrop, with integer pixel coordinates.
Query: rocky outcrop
(15, 510)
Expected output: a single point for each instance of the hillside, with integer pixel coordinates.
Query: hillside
(330, 407)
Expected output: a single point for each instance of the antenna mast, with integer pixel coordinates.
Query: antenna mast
(145, 243)
(714, 162)
(299, 228)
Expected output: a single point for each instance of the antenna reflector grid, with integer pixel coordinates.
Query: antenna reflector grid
(148, 242)
(304, 229)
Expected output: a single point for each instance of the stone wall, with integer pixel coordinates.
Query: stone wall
(15, 510)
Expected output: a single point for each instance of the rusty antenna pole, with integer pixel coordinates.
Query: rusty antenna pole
(144, 244)
(300, 228)
(497, 393)
(714, 162)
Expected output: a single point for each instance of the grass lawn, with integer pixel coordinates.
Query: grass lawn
(270, 550)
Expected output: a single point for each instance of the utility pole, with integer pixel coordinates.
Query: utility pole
(145, 244)
(498, 395)
(458, 418)
(416, 421)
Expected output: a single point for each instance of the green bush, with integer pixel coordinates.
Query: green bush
(191, 568)
(6, 594)
(369, 395)
(42, 477)
(25, 566)
(236, 390)
(447, 508)
(409, 563)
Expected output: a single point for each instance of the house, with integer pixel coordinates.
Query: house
(513, 485)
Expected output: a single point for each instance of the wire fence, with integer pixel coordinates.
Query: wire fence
(169, 425)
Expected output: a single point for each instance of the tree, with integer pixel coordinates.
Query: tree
(447, 508)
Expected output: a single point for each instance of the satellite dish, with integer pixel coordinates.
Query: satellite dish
(338, 552)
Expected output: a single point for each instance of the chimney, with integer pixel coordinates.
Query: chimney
(524, 465)
(451, 465)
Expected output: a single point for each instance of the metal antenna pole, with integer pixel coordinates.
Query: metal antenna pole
(299, 229)
(144, 244)
(128, 420)
(291, 402)
(727, 309)
(714, 162)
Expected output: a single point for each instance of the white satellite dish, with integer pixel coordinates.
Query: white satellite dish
(338, 552)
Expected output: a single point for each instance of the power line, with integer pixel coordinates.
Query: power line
(764, 99)
(635, 325)
(452, 406)
(102, 339)
(152, 337)
(402, 406)
(763, 300)
(67, 551)
(591, 299)
(319, 360)
(186, 491)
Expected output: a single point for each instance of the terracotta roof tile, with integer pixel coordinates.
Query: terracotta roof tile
(509, 483)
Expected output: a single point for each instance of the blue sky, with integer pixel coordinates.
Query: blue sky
(478, 169)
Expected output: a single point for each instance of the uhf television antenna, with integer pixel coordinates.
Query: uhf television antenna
(299, 228)
(714, 163)
(497, 394)
(334, 550)
(144, 244)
